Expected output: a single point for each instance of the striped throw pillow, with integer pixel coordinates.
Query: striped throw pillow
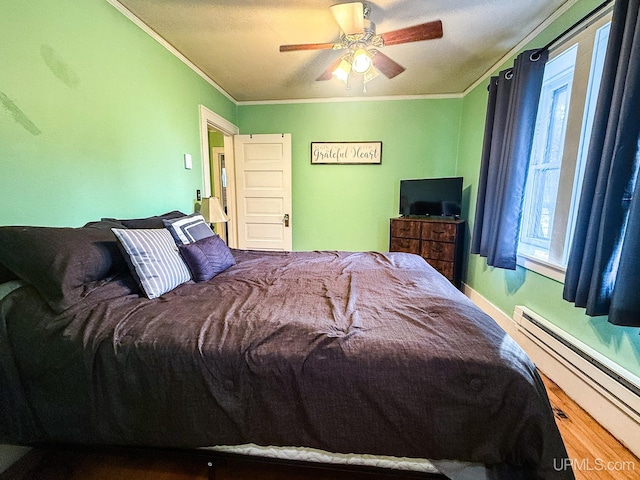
(188, 229)
(154, 260)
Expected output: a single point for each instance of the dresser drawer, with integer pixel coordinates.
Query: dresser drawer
(405, 228)
(438, 250)
(440, 232)
(445, 268)
(407, 245)
(438, 240)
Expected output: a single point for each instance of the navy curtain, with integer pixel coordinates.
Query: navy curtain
(509, 128)
(603, 272)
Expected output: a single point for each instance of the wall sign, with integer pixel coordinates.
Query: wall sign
(346, 152)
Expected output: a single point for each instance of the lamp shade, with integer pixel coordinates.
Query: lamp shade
(350, 17)
(212, 211)
(343, 70)
(361, 61)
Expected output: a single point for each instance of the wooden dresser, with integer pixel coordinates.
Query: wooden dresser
(440, 241)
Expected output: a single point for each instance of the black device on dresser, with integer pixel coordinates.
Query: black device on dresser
(431, 197)
(430, 225)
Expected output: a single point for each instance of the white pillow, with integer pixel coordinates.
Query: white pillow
(153, 258)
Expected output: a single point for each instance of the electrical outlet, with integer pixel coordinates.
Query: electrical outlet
(198, 196)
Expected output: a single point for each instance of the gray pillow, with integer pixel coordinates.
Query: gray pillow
(63, 264)
(6, 275)
(153, 258)
(147, 222)
(190, 228)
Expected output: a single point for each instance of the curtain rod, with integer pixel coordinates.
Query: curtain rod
(592, 13)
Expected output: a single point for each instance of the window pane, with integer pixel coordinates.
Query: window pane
(555, 139)
(546, 157)
(545, 188)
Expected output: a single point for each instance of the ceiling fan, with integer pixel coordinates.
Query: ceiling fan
(362, 44)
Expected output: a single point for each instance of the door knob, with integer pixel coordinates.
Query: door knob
(286, 219)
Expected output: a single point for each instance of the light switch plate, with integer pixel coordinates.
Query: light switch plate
(188, 163)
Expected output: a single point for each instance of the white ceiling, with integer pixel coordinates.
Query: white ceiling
(236, 42)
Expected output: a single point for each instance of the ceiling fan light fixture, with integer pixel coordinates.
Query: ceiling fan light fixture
(361, 43)
(343, 70)
(369, 74)
(349, 16)
(361, 61)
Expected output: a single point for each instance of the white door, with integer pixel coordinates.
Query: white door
(263, 191)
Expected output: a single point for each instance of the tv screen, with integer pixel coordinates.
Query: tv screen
(431, 197)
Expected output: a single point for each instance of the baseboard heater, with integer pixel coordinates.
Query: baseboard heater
(620, 386)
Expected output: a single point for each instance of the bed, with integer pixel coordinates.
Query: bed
(351, 354)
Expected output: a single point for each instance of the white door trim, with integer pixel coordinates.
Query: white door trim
(210, 119)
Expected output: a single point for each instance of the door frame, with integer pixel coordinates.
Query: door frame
(216, 179)
(210, 120)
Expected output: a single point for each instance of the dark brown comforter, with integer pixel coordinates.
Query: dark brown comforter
(346, 352)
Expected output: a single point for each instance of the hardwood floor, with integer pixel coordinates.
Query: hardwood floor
(594, 455)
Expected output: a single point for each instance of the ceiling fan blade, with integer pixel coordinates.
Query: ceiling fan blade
(350, 17)
(417, 33)
(309, 46)
(328, 73)
(388, 67)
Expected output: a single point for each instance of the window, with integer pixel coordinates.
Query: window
(546, 155)
(560, 144)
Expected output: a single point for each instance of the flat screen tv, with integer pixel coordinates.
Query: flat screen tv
(431, 197)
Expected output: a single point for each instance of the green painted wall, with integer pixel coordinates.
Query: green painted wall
(216, 139)
(506, 289)
(95, 116)
(347, 207)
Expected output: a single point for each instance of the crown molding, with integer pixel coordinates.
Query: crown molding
(520, 46)
(388, 98)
